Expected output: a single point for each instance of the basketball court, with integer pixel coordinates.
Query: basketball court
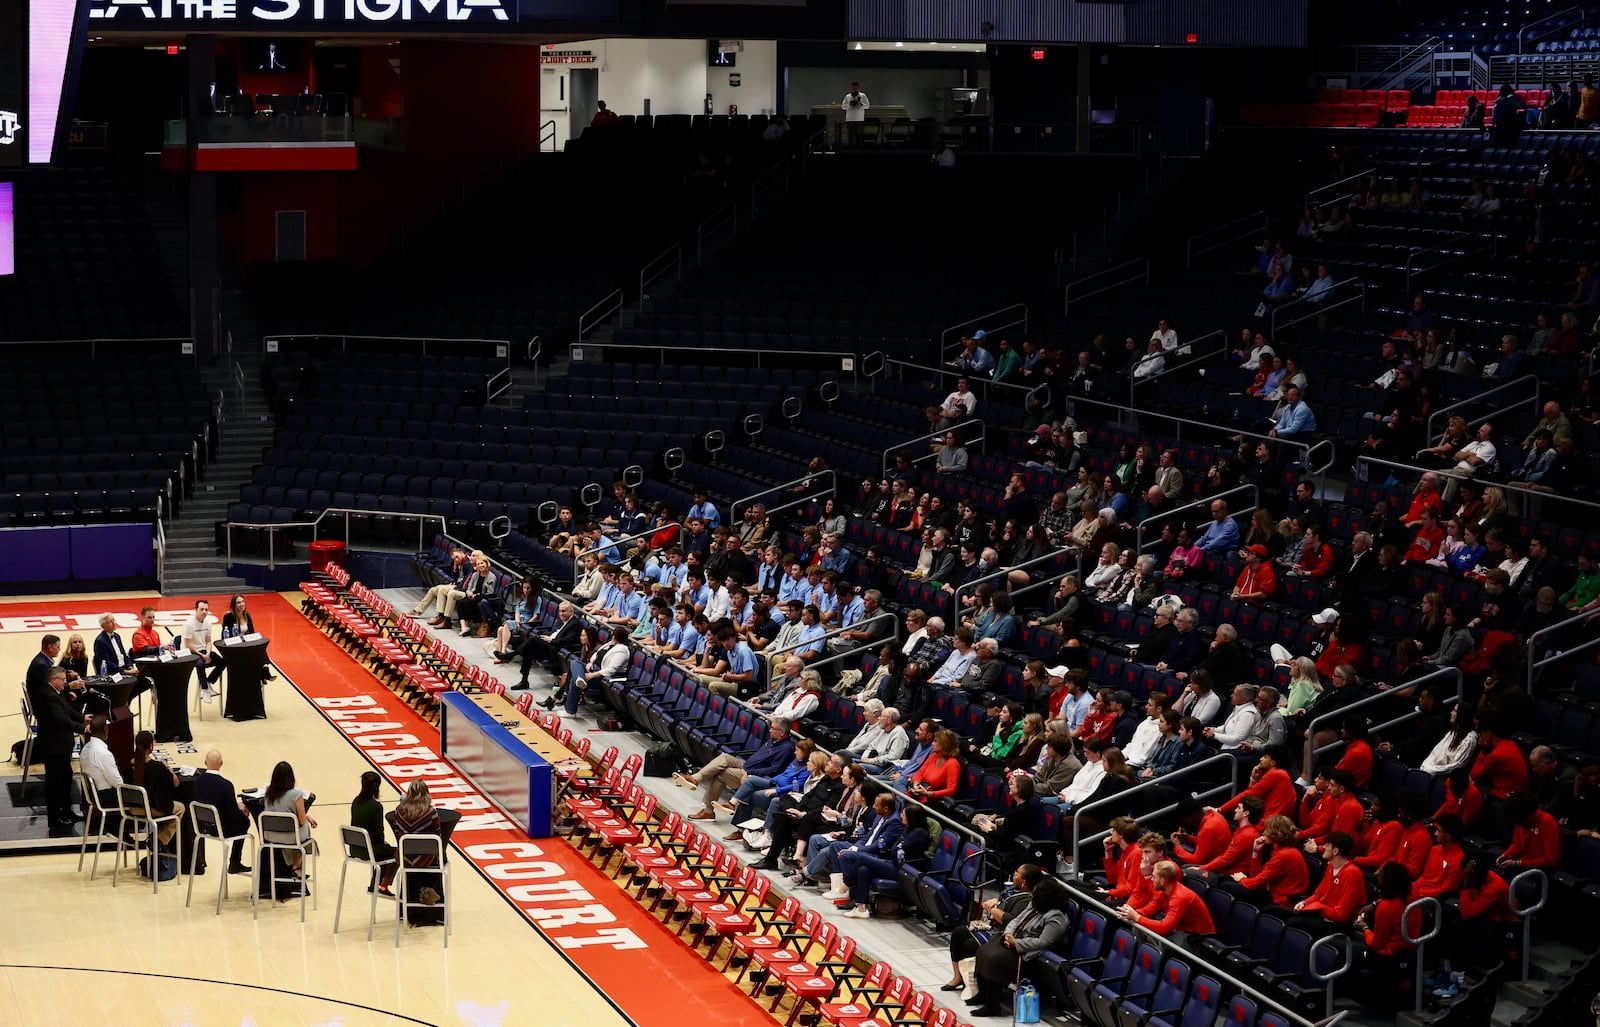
(539, 935)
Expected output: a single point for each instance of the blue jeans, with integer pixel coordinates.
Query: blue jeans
(746, 797)
(860, 870)
(820, 853)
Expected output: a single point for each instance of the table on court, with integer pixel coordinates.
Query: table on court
(508, 756)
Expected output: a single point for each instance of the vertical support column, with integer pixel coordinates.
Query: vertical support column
(202, 193)
(1085, 70)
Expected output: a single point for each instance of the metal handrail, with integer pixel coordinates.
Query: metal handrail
(972, 586)
(1139, 543)
(1244, 985)
(577, 558)
(832, 633)
(832, 489)
(238, 379)
(1582, 17)
(1140, 272)
(1516, 383)
(1196, 356)
(610, 304)
(316, 525)
(982, 386)
(502, 346)
(727, 213)
(1348, 945)
(966, 829)
(498, 385)
(1121, 799)
(671, 259)
(1305, 448)
(1534, 666)
(1255, 223)
(979, 322)
(1318, 307)
(550, 135)
(965, 428)
(1368, 173)
(767, 181)
(1410, 56)
(575, 353)
(95, 342)
(1526, 915)
(1432, 904)
(1491, 244)
(159, 543)
(1308, 768)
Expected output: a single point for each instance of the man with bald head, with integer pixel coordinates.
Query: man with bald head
(211, 788)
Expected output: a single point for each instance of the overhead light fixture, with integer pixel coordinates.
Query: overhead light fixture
(899, 44)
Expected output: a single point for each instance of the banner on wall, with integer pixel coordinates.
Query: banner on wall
(279, 14)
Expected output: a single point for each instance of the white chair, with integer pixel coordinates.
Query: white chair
(30, 731)
(136, 816)
(280, 832)
(421, 846)
(208, 828)
(355, 839)
(95, 823)
(199, 694)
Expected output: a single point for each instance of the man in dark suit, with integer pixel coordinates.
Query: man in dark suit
(39, 667)
(547, 648)
(60, 722)
(211, 788)
(110, 655)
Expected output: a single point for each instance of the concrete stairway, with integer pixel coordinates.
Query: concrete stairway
(194, 564)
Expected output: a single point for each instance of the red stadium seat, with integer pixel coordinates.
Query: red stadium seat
(1397, 100)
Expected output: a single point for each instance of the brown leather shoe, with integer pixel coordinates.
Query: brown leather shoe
(702, 814)
(483, 631)
(438, 622)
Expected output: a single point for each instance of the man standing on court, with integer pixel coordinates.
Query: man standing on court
(60, 723)
(855, 106)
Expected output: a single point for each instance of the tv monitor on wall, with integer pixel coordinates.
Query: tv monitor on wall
(269, 56)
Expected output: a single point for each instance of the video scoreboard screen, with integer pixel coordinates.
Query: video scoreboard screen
(41, 44)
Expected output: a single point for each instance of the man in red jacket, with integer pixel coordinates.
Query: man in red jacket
(1535, 838)
(1416, 841)
(1204, 835)
(1442, 876)
(1500, 768)
(1340, 811)
(1271, 782)
(1339, 896)
(1247, 817)
(1176, 912)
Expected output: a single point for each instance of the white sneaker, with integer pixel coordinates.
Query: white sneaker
(837, 893)
(859, 913)
(208, 695)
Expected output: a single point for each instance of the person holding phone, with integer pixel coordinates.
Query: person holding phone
(855, 105)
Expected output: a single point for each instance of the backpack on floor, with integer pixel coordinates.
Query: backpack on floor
(16, 752)
(661, 760)
(167, 865)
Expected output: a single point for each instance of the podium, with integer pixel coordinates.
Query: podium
(169, 683)
(244, 657)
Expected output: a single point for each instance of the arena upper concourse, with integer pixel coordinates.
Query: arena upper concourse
(784, 512)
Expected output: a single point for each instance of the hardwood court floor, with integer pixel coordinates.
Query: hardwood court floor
(88, 952)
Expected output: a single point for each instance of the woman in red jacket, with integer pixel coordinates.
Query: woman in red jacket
(1383, 966)
(1278, 871)
(1488, 928)
(940, 773)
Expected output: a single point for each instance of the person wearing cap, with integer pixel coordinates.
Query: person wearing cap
(1243, 720)
(1120, 704)
(1257, 582)
(974, 359)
